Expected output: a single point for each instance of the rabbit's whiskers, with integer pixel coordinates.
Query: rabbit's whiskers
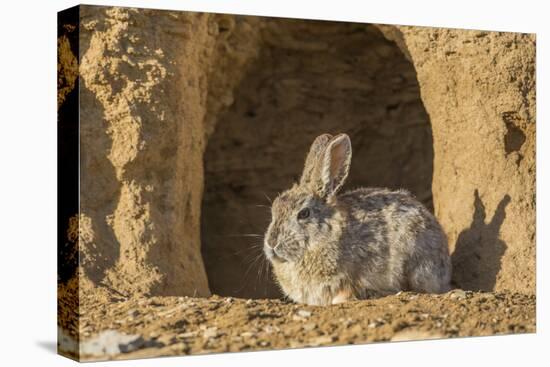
(252, 263)
(267, 197)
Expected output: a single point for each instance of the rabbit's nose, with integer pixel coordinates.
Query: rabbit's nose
(271, 253)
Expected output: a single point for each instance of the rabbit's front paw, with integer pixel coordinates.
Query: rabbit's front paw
(342, 296)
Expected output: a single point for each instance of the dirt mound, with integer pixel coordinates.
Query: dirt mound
(161, 326)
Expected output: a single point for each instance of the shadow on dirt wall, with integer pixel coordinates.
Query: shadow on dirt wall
(479, 249)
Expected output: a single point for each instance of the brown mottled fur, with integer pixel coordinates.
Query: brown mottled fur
(327, 248)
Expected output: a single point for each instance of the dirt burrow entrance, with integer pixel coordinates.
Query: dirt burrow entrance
(309, 78)
(161, 326)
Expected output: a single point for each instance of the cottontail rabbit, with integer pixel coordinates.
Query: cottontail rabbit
(327, 248)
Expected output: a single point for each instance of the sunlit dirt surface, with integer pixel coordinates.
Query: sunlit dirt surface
(165, 326)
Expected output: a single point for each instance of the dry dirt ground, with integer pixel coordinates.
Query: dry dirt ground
(163, 326)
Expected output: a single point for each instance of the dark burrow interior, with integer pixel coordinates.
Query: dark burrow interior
(311, 77)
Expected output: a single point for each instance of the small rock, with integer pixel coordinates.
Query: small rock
(304, 313)
(180, 348)
(325, 339)
(295, 344)
(210, 333)
(188, 334)
(452, 329)
(346, 322)
(133, 313)
(356, 329)
(486, 297)
(269, 329)
(400, 325)
(143, 302)
(111, 343)
(457, 294)
(209, 343)
(410, 334)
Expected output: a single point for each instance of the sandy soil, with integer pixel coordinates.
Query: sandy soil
(162, 326)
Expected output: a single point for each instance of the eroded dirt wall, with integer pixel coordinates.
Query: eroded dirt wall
(479, 90)
(311, 77)
(149, 83)
(134, 125)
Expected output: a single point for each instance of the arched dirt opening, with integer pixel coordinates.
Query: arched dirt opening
(310, 77)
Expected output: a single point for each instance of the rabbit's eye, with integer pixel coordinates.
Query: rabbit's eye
(303, 214)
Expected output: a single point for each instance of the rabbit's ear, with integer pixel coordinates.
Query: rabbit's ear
(313, 157)
(335, 165)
